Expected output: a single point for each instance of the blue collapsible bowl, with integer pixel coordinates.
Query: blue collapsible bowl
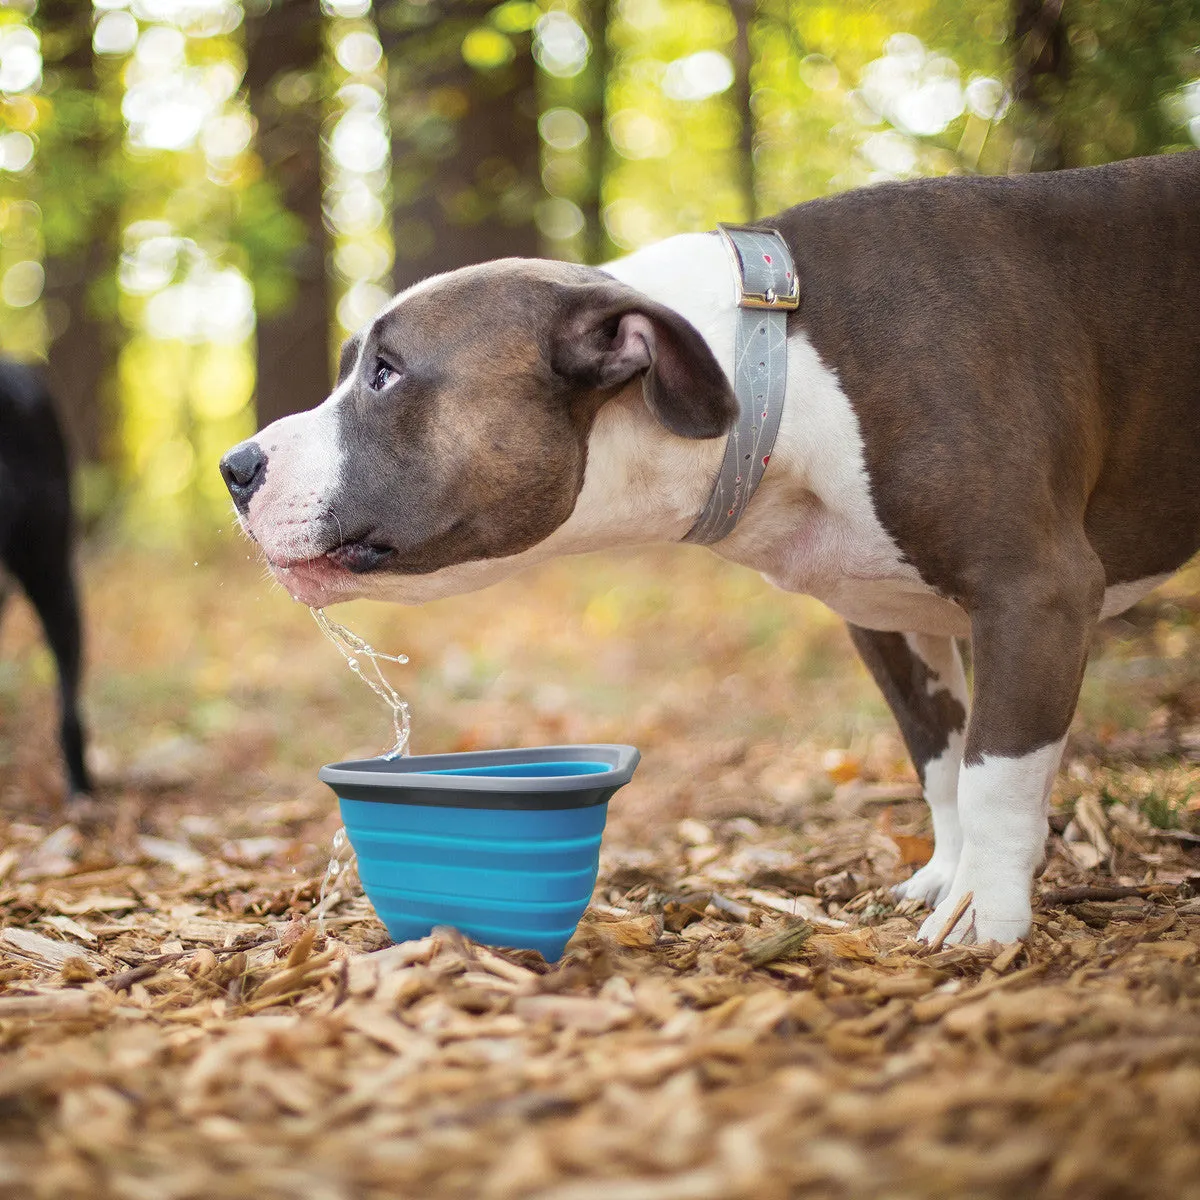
(502, 844)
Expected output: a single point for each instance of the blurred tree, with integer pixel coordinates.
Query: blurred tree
(284, 51)
(592, 95)
(1092, 78)
(79, 197)
(466, 157)
(743, 17)
(1040, 72)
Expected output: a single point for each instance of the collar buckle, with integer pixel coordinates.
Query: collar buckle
(760, 294)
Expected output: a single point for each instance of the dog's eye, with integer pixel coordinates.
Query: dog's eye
(382, 375)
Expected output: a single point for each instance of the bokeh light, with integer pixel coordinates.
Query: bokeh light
(560, 45)
(20, 59)
(115, 33)
(358, 52)
(210, 304)
(358, 166)
(559, 218)
(697, 76)
(360, 143)
(346, 8)
(16, 151)
(636, 134)
(22, 284)
(915, 90)
(562, 128)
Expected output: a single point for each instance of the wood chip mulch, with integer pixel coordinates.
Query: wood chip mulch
(743, 1014)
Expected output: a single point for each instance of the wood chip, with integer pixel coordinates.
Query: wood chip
(1057, 897)
(574, 1012)
(36, 948)
(50, 1006)
(781, 944)
(951, 921)
(806, 907)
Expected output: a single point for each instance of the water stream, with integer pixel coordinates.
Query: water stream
(343, 862)
(353, 649)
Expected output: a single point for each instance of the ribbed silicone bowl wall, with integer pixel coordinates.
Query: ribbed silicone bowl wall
(506, 877)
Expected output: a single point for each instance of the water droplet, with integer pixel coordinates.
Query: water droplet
(339, 871)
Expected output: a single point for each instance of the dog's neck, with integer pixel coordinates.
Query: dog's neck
(816, 479)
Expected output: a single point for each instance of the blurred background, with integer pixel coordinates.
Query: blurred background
(199, 198)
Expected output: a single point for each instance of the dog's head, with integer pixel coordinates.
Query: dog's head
(459, 430)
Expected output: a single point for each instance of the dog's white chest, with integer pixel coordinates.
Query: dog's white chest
(812, 527)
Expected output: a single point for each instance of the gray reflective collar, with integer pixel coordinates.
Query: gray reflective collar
(767, 291)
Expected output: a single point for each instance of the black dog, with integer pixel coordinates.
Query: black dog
(35, 537)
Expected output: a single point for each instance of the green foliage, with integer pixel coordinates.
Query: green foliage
(674, 165)
(1160, 810)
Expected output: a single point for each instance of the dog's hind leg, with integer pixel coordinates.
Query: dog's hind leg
(922, 679)
(46, 576)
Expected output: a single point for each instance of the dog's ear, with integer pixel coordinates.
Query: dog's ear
(609, 333)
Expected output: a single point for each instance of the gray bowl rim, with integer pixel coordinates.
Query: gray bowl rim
(416, 770)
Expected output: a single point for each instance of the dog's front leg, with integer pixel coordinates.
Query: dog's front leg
(1029, 647)
(922, 679)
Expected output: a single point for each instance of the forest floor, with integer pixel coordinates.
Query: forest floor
(743, 1014)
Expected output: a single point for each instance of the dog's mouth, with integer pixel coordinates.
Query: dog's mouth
(368, 554)
(359, 556)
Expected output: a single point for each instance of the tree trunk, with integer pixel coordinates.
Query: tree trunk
(465, 149)
(598, 246)
(293, 344)
(1041, 68)
(81, 364)
(743, 15)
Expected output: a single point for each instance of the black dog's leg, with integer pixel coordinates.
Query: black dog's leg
(923, 682)
(44, 571)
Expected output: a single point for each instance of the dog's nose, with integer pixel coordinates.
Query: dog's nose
(243, 469)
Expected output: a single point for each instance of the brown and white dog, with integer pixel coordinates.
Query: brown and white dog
(991, 430)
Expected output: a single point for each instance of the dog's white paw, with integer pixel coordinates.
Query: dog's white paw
(930, 885)
(997, 913)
